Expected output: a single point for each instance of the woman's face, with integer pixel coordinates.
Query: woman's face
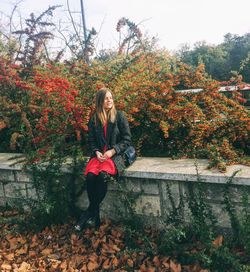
(108, 101)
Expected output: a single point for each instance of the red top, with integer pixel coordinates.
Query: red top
(95, 166)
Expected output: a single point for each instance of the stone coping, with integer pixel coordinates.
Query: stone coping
(163, 169)
(185, 169)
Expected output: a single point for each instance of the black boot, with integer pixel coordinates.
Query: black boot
(85, 217)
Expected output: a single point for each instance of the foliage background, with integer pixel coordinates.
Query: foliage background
(46, 104)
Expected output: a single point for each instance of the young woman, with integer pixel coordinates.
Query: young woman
(108, 137)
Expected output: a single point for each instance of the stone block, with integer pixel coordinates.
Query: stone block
(124, 185)
(133, 185)
(150, 187)
(237, 193)
(1, 190)
(174, 188)
(221, 215)
(114, 186)
(214, 192)
(82, 201)
(114, 206)
(2, 201)
(148, 205)
(22, 176)
(31, 192)
(7, 175)
(15, 190)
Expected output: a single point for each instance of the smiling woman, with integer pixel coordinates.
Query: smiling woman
(108, 136)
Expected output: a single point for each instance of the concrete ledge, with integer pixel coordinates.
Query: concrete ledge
(162, 169)
(185, 169)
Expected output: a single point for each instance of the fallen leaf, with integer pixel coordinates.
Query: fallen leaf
(106, 264)
(174, 267)
(92, 266)
(96, 244)
(32, 254)
(116, 248)
(130, 262)
(143, 268)
(46, 251)
(93, 258)
(165, 262)
(156, 261)
(25, 267)
(115, 262)
(6, 266)
(9, 257)
(64, 265)
(22, 250)
(13, 243)
(218, 241)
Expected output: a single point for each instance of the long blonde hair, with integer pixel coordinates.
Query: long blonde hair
(100, 111)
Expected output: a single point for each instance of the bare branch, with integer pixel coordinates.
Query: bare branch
(73, 24)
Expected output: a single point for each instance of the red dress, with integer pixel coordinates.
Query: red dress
(94, 166)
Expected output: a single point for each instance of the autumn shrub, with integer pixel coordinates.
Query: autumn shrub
(164, 122)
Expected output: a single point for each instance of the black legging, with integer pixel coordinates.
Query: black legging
(96, 190)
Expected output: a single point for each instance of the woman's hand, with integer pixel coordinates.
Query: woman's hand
(109, 154)
(100, 156)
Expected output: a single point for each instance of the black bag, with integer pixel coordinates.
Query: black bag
(129, 155)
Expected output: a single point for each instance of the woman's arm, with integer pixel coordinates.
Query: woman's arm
(92, 139)
(125, 134)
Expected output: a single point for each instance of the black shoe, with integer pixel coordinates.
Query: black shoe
(85, 217)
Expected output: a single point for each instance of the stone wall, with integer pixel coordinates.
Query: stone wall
(145, 185)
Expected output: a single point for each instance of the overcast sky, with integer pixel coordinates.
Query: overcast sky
(173, 22)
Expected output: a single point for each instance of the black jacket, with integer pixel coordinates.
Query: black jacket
(118, 137)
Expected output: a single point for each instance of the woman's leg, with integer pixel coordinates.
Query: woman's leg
(91, 181)
(101, 187)
(101, 191)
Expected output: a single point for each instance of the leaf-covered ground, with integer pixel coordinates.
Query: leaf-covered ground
(59, 248)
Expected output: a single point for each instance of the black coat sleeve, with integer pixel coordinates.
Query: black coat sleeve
(124, 134)
(92, 137)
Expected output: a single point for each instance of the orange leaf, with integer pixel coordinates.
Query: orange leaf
(130, 262)
(156, 261)
(64, 265)
(96, 244)
(165, 262)
(92, 266)
(143, 268)
(116, 248)
(6, 266)
(93, 258)
(106, 264)
(174, 267)
(32, 253)
(73, 237)
(115, 262)
(218, 241)
(22, 250)
(13, 243)
(46, 251)
(9, 257)
(24, 267)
